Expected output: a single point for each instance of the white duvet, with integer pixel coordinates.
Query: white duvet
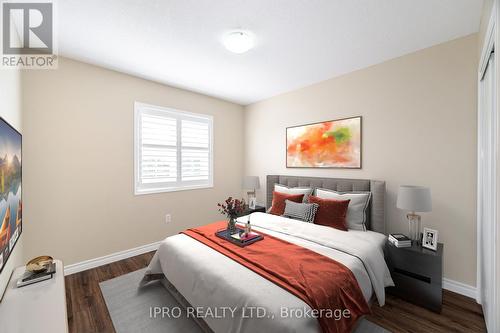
(214, 282)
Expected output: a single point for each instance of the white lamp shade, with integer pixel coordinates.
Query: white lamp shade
(414, 198)
(251, 183)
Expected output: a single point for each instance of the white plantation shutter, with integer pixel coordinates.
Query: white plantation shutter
(195, 150)
(158, 158)
(173, 150)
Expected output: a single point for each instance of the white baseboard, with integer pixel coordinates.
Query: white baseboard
(460, 288)
(96, 262)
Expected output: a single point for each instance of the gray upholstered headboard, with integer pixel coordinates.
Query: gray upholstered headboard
(376, 215)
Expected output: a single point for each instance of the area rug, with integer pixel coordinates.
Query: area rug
(132, 308)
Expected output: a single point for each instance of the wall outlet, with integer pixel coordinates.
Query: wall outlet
(168, 218)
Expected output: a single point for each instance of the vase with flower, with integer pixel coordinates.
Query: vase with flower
(231, 208)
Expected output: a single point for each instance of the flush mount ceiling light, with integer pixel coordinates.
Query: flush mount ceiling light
(238, 41)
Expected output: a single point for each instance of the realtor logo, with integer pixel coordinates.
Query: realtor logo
(28, 35)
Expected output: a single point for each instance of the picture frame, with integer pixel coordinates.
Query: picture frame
(331, 144)
(430, 239)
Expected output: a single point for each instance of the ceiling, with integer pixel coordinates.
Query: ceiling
(298, 42)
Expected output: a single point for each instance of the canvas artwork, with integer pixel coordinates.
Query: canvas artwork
(330, 144)
(10, 190)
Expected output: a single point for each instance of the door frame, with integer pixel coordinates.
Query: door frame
(490, 41)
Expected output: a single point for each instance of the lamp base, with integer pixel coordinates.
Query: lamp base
(414, 227)
(251, 197)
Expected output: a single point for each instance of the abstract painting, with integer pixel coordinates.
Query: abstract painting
(329, 144)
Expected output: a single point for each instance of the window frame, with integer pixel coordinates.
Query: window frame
(179, 115)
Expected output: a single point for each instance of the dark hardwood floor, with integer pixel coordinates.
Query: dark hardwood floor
(459, 314)
(87, 312)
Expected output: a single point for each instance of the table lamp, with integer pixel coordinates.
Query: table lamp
(414, 199)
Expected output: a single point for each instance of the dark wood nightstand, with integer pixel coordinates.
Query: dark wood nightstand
(250, 211)
(417, 273)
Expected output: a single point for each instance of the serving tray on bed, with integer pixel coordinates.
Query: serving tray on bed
(226, 235)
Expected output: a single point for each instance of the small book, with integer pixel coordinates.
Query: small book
(30, 277)
(236, 235)
(399, 240)
(400, 237)
(398, 245)
(21, 283)
(51, 269)
(248, 237)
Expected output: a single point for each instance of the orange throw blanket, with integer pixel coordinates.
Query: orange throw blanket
(322, 283)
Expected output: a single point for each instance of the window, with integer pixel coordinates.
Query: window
(173, 150)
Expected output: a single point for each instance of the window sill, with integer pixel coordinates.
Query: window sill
(172, 189)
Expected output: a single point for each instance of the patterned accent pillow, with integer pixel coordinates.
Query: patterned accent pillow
(300, 211)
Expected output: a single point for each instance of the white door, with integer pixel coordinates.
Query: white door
(487, 171)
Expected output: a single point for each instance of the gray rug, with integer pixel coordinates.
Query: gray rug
(130, 308)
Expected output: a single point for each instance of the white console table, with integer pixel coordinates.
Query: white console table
(39, 307)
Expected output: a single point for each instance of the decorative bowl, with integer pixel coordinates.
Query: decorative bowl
(39, 264)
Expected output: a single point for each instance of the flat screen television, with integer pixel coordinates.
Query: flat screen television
(11, 206)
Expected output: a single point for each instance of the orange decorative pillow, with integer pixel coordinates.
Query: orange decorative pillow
(278, 204)
(331, 213)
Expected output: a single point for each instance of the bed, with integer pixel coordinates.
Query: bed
(200, 276)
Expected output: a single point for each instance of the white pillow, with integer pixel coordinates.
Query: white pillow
(306, 191)
(356, 211)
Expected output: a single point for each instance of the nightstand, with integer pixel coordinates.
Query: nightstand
(250, 211)
(417, 273)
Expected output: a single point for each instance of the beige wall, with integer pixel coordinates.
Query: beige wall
(78, 166)
(419, 127)
(10, 110)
